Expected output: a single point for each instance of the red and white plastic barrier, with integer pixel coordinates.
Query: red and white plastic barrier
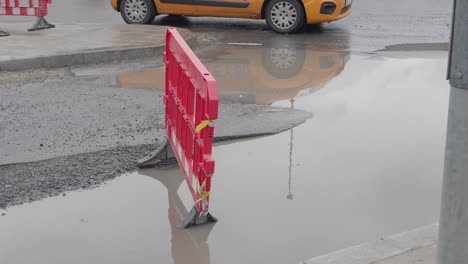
(38, 8)
(20, 8)
(191, 101)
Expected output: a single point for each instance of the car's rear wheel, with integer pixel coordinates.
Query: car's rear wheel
(285, 16)
(138, 11)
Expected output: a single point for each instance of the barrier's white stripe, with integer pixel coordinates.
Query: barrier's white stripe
(185, 162)
(23, 3)
(187, 167)
(2, 11)
(179, 149)
(31, 11)
(192, 178)
(174, 141)
(16, 11)
(194, 184)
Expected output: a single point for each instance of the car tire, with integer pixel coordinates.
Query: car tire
(138, 11)
(285, 16)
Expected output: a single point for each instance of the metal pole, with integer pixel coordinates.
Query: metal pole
(453, 230)
(291, 147)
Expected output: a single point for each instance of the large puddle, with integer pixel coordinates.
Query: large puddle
(271, 68)
(368, 164)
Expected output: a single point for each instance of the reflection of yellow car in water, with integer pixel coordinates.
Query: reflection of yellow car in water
(283, 16)
(259, 74)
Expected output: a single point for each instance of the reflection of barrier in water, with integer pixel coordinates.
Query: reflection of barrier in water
(187, 245)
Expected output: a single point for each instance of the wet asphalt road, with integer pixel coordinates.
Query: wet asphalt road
(378, 101)
(372, 25)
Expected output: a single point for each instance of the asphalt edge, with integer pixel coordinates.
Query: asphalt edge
(388, 247)
(89, 57)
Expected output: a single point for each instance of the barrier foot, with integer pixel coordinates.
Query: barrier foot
(194, 218)
(41, 23)
(162, 156)
(4, 33)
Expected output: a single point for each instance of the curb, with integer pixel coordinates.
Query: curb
(88, 57)
(385, 248)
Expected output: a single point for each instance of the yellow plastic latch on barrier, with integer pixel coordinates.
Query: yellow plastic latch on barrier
(201, 190)
(203, 124)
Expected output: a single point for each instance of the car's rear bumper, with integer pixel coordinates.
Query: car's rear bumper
(318, 11)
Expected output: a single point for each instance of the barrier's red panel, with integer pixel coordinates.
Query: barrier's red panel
(191, 101)
(24, 7)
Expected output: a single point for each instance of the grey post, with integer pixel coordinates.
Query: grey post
(453, 230)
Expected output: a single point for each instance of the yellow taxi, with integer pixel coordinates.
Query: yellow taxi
(283, 16)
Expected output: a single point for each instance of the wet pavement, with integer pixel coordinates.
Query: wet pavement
(80, 44)
(368, 164)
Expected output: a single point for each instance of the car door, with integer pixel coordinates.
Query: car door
(176, 7)
(228, 8)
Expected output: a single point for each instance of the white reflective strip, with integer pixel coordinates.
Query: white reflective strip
(31, 11)
(23, 3)
(2, 11)
(184, 164)
(187, 167)
(3, 3)
(16, 11)
(174, 142)
(194, 184)
(36, 3)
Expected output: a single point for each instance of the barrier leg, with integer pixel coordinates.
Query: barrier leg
(4, 33)
(195, 218)
(163, 155)
(41, 23)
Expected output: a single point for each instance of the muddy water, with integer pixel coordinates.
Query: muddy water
(368, 164)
